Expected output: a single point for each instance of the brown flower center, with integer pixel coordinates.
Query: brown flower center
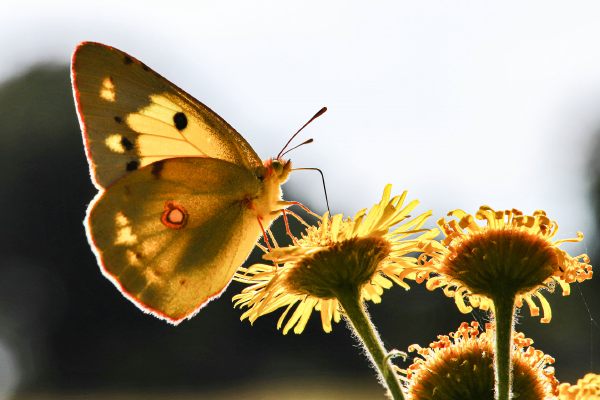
(500, 262)
(342, 266)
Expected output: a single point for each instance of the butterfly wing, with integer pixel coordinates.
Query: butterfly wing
(131, 116)
(171, 235)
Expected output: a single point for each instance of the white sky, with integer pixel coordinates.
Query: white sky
(463, 103)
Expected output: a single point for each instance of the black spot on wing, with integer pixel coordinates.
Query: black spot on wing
(127, 60)
(132, 165)
(157, 168)
(118, 119)
(126, 143)
(145, 67)
(180, 121)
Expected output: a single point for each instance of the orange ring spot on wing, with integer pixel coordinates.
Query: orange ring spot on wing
(175, 216)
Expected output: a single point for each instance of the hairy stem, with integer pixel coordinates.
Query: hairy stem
(369, 338)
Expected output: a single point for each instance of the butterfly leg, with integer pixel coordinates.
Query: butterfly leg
(266, 238)
(297, 203)
(298, 218)
(287, 225)
(285, 213)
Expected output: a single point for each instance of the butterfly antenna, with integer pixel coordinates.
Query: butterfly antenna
(322, 178)
(317, 115)
(295, 147)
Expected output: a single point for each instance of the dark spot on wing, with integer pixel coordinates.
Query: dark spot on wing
(145, 67)
(132, 165)
(126, 143)
(180, 121)
(127, 60)
(118, 119)
(157, 168)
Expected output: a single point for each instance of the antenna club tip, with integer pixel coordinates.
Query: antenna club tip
(283, 150)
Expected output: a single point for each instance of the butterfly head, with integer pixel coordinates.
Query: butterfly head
(278, 169)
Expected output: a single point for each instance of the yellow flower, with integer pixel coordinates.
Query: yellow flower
(460, 366)
(512, 255)
(587, 388)
(359, 254)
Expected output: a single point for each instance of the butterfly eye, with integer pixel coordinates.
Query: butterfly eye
(277, 167)
(282, 169)
(174, 216)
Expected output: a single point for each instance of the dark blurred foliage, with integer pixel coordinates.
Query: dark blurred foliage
(70, 329)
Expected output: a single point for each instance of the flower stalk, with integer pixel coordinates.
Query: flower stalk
(360, 322)
(504, 318)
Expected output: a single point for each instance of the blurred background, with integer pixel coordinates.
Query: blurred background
(462, 103)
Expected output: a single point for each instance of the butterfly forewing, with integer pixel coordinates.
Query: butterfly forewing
(131, 117)
(172, 234)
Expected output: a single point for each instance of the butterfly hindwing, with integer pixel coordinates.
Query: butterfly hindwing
(172, 234)
(132, 117)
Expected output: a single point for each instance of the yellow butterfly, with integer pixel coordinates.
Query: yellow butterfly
(180, 191)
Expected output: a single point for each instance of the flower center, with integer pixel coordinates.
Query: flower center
(500, 262)
(342, 266)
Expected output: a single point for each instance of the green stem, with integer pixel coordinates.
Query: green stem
(504, 318)
(362, 325)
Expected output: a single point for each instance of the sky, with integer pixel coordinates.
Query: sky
(461, 103)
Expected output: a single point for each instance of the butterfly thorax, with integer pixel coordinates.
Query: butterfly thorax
(273, 174)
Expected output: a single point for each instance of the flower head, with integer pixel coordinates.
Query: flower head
(587, 388)
(360, 255)
(512, 255)
(460, 366)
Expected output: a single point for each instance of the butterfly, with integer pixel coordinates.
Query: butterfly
(182, 198)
